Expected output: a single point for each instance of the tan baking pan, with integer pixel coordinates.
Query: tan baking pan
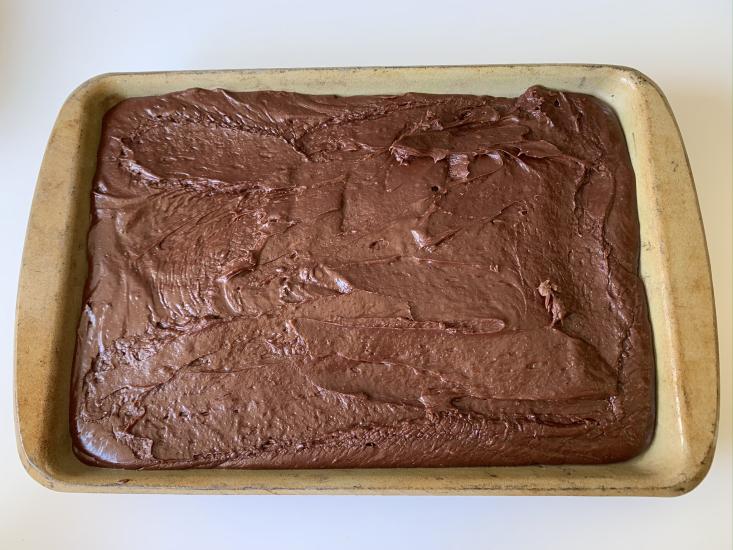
(674, 266)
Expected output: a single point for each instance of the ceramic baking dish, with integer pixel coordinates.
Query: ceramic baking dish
(674, 266)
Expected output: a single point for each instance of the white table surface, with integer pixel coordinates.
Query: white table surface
(47, 48)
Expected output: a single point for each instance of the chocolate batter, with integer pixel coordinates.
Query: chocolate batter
(281, 280)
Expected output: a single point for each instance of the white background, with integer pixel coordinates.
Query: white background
(47, 48)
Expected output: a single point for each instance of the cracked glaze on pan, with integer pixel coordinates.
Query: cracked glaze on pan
(285, 280)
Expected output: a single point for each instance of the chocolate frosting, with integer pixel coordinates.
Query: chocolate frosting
(283, 280)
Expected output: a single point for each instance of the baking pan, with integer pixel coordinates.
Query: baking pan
(674, 267)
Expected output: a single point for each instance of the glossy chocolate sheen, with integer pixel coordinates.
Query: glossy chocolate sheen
(281, 280)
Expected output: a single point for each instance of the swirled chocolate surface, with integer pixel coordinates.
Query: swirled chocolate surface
(285, 280)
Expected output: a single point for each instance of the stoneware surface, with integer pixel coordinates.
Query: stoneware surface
(674, 266)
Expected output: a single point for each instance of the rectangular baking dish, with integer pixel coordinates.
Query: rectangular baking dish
(674, 267)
